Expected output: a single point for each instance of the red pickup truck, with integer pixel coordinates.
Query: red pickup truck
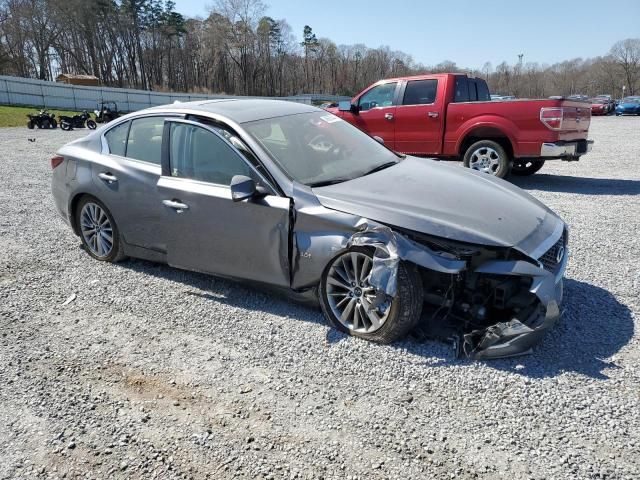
(452, 116)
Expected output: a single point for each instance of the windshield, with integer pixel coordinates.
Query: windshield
(319, 148)
(631, 100)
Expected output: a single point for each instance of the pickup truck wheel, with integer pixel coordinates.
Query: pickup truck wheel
(351, 305)
(526, 167)
(489, 157)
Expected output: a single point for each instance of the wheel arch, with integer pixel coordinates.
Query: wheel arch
(486, 132)
(73, 205)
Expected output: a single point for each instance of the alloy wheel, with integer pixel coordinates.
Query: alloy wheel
(485, 159)
(350, 296)
(96, 229)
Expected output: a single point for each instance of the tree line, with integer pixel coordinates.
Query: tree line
(237, 49)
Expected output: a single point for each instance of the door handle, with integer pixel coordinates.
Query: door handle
(176, 205)
(388, 116)
(432, 114)
(107, 177)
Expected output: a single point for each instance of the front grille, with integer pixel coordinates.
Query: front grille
(549, 259)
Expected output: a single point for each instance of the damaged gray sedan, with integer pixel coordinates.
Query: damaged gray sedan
(290, 196)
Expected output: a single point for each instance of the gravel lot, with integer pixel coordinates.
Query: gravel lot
(138, 370)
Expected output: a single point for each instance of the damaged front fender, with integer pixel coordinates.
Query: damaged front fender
(390, 248)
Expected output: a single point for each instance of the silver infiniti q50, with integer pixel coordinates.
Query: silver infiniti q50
(290, 196)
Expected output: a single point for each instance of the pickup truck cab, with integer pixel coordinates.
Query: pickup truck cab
(452, 116)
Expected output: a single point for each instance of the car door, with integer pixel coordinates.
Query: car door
(376, 111)
(126, 179)
(419, 118)
(206, 230)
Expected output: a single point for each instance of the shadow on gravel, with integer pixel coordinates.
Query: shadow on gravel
(594, 326)
(243, 295)
(580, 185)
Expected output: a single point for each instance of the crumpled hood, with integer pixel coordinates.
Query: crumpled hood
(447, 201)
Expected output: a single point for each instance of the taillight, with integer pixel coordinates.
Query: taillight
(56, 160)
(552, 117)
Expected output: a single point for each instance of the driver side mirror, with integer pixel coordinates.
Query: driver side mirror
(243, 187)
(347, 106)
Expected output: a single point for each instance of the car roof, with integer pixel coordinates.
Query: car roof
(241, 110)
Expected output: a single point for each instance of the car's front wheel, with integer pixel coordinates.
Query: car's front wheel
(353, 306)
(98, 230)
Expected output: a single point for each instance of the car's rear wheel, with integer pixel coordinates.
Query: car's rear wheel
(489, 157)
(353, 306)
(526, 167)
(98, 230)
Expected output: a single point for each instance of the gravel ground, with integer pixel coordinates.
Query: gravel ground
(138, 370)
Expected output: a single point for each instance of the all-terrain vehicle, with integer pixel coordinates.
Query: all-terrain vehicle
(106, 111)
(42, 119)
(77, 121)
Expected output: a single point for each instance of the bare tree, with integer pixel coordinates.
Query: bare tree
(626, 54)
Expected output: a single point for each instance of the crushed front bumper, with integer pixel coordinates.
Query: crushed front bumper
(566, 150)
(521, 333)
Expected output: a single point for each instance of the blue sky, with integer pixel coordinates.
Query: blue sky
(545, 31)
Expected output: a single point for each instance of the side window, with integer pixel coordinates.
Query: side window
(117, 139)
(462, 89)
(198, 154)
(145, 139)
(380, 96)
(420, 92)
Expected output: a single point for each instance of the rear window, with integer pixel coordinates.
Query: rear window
(483, 90)
(420, 92)
(476, 90)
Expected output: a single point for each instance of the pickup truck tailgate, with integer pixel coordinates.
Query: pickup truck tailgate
(576, 116)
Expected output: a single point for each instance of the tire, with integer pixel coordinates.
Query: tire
(489, 157)
(40, 124)
(400, 314)
(91, 212)
(526, 167)
(30, 125)
(91, 125)
(65, 125)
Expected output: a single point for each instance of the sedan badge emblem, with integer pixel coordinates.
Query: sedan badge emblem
(560, 254)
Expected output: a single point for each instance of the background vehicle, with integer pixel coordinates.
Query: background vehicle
(581, 98)
(288, 195)
(42, 119)
(106, 111)
(600, 106)
(629, 106)
(77, 121)
(451, 115)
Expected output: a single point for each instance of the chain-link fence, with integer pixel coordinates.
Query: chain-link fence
(41, 93)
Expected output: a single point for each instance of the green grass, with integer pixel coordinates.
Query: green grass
(17, 116)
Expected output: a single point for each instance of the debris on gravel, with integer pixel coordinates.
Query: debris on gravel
(140, 370)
